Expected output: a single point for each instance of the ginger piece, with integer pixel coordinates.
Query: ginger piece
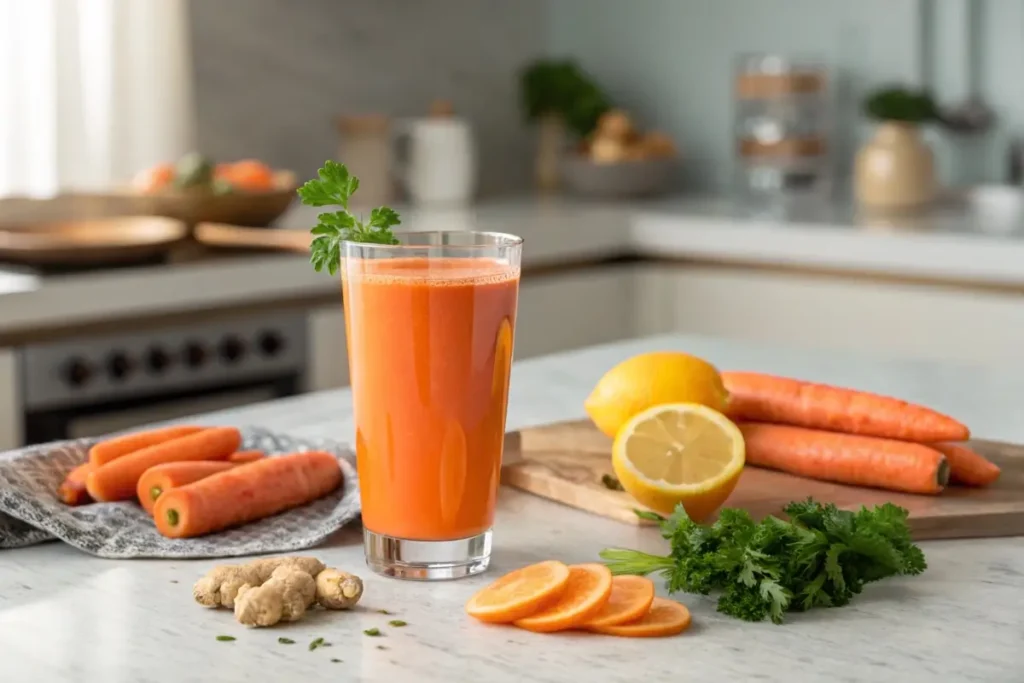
(258, 606)
(336, 589)
(221, 584)
(283, 597)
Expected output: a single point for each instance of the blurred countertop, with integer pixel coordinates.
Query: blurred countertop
(971, 241)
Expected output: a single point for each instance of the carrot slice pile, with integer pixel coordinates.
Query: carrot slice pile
(665, 618)
(519, 593)
(584, 596)
(630, 599)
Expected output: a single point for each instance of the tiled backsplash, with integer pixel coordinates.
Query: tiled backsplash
(271, 75)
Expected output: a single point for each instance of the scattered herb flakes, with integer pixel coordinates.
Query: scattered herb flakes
(372, 631)
(335, 660)
(318, 642)
(397, 623)
(225, 639)
(384, 611)
(382, 647)
(174, 581)
(611, 482)
(285, 641)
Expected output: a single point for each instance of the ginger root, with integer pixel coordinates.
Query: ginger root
(283, 597)
(264, 592)
(221, 584)
(337, 589)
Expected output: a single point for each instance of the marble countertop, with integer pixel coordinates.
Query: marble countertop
(981, 240)
(65, 616)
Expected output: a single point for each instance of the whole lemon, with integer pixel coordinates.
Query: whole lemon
(651, 379)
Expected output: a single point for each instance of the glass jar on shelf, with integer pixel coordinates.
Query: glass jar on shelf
(781, 128)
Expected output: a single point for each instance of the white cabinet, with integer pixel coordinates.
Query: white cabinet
(577, 308)
(831, 312)
(326, 348)
(10, 402)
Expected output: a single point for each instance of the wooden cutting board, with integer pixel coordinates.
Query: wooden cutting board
(235, 237)
(565, 462)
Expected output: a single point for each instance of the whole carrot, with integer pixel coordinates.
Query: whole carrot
(846, 458)
(239, 457)
(72, 491)
(781, 400)
(246, 493)
(118, 479)
(112, 449)
(162, 478)
(966, 466)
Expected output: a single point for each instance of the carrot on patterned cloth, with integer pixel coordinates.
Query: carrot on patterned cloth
(846, 458)
(119, 446)
(246, 493)
(118, 479)
(239, 457)
(767, 398)
(966, 466)
(72, 491)
(159, 479)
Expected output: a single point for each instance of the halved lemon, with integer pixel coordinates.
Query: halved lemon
(679, 453)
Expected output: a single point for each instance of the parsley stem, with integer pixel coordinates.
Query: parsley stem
(634, 562)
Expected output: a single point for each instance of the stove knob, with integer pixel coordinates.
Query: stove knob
(232, 349)
(77, 372)
(157, 360)
(195, 354)
(119, 366)
(271, 343)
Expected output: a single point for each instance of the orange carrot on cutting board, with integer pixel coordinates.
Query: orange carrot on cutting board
(846, 458)
(159, 479)
(246, 493)
(967, 466)
(118, 479)
(766, 398)
(72, 491)
(240, 457)
(119, 446)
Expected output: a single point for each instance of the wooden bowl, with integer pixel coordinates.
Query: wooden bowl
(109, 240)
(254, 209)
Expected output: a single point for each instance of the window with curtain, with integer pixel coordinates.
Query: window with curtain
(91, 91)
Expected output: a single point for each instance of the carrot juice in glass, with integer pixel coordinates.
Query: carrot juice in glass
(430, 325)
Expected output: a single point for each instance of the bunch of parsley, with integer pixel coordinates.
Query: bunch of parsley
(821, 557)
(334, 186)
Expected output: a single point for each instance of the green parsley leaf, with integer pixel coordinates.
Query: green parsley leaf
(397, 623)
(318, 642)
(225, 639)
(372, 631)
(334, 186)
(820, 557)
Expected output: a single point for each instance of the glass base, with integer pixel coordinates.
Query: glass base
(427, 560)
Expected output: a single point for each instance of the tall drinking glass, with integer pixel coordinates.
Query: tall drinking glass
(430, 325)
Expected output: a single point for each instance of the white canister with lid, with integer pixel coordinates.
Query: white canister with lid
(436, 158)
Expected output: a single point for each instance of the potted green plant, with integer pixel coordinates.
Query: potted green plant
(895, 170)
(559, 97)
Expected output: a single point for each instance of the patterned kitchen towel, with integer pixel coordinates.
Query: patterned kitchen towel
(31, 513)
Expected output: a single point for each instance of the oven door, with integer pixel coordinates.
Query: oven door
(99, 419)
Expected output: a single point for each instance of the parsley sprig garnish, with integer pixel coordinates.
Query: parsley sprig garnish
(821, 557)
(334, 186)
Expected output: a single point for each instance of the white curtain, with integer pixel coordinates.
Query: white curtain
(91, 91)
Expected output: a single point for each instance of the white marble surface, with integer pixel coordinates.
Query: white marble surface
(68, 617)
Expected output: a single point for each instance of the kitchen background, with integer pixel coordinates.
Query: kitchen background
(752, 199)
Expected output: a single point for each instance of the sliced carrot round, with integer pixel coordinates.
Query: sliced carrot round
(519, 593)
(630, 599)
(665, 618)
(584, 596)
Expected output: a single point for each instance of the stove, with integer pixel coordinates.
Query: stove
(89, 386)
